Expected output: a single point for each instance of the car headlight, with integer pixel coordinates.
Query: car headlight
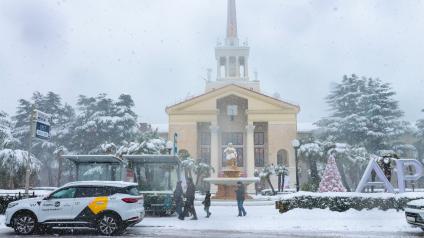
(12, 204)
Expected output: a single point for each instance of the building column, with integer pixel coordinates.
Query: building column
(238, 67)
(250, 154)
(214, 154)
(246, 67)
(227, 67)
(218, 69)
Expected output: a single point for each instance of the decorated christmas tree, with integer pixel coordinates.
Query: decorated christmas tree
(331, 181)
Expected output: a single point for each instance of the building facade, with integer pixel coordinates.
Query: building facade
(234, 110)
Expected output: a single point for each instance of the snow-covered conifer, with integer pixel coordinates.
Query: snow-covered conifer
(363, 113)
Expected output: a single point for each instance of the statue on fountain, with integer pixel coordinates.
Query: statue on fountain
(231, 155)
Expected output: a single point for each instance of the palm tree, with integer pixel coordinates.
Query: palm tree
(266, 173)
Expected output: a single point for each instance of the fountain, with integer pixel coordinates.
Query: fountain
(227, 184)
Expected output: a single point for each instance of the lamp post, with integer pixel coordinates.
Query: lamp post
(296, 145)
(169, 146)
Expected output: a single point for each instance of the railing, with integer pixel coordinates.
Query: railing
(6, 198)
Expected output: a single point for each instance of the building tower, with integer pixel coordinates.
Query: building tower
(231, 58)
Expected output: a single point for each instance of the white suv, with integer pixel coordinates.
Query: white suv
(108, 206)
(414, 213)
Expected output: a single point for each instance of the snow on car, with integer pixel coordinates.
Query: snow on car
(414, 213)
(108, 206)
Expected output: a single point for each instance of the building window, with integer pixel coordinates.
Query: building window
(205, 147)
(282, 158)
(242, 70)
(259, 140)
(236, 138)
(232, 64)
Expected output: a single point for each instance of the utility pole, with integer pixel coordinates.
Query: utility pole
(28, 167)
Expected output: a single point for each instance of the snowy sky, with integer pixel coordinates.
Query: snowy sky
(158, 51)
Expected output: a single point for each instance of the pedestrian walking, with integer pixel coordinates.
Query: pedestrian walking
(178, 198)
(207, 203)
(189, 203)
(240, 191)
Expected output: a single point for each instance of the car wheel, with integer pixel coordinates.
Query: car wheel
(108, 225)
(24, 224)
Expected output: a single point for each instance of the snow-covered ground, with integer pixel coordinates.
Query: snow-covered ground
(2, 226)
(267, 218)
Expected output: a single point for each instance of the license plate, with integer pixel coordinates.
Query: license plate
(410, 218)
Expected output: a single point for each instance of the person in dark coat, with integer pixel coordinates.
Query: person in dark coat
(240, 199)
(189, 204)
(178, 198)
(207, 204)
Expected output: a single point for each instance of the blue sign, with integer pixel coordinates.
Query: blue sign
(42, 131)
(42, 125)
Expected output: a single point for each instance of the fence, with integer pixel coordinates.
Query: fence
(6, 198)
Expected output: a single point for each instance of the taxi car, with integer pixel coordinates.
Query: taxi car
(108, 206)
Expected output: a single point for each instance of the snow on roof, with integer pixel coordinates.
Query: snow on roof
(93, 158)
(120, 184)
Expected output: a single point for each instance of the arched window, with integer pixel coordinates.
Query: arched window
(282, 158)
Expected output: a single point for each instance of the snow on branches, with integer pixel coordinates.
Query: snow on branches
(364, 113)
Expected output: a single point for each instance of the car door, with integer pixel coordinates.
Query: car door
(91, 200)
(58, 205)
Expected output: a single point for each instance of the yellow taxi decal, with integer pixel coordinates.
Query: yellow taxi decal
(98, 205)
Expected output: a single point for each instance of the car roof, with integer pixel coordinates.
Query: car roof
(120, 184)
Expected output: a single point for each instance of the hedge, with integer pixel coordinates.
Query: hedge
(345, 201)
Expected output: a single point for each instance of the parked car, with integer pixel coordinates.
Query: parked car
(414, 213)
(108, 206)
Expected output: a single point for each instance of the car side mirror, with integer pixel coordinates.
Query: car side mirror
(46, 198)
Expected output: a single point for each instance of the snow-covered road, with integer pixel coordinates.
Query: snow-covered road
(267, 222)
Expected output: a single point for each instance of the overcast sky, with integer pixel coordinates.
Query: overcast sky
(159, 50)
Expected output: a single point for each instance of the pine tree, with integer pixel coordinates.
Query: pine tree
(7, 140)
(364, 113)
(12, 160)
(104, 121)
(331, 180)
(62, 117)
(420, 137)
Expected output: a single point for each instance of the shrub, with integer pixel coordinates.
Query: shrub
(345, 201)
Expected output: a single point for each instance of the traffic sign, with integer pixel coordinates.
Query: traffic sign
(42, 125)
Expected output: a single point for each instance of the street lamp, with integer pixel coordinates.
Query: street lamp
(169, 146)
(296, 145)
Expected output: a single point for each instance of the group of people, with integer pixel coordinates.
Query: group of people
(185, 201)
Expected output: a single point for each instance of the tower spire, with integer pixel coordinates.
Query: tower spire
(232, 38)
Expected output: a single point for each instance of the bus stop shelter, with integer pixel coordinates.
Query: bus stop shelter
(97, 167)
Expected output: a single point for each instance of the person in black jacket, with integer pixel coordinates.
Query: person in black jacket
(178, 198)
(240, 199)
(189, 204)
(207, 204)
